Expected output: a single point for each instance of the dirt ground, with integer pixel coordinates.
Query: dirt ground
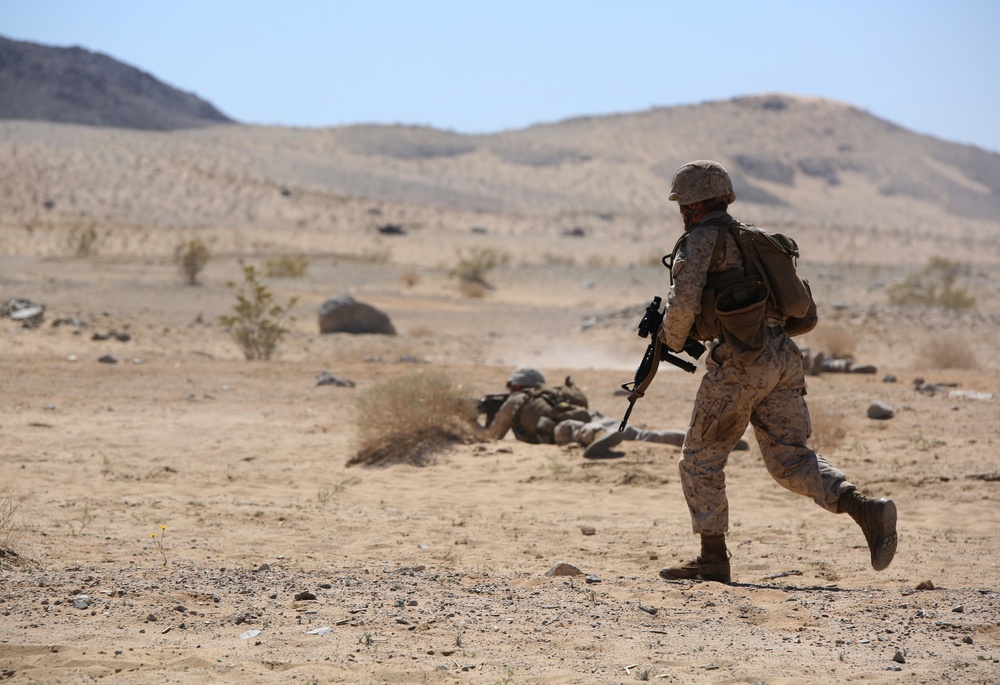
(183, 515)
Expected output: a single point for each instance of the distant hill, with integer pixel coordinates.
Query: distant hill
(76, 86)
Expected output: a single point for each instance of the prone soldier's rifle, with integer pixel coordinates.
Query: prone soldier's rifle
(655, 353)
(490, 405)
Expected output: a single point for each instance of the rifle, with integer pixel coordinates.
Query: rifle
(490, 405)
(655, 353)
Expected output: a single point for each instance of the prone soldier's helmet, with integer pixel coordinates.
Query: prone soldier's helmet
(526, 376)
(701, 180)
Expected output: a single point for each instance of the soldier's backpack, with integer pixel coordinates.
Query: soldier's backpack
(546, 406)
(768, 287)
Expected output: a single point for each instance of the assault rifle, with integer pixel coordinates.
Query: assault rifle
(490, 405)
(655, 353)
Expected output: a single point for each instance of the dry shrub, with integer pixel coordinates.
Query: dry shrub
(472, 289)
(947, 354)
(473, 266)
(191, 258)
(828, 430)
(410, 418)
(835, 341)
(8, 532)
(409, 278)
(287, 266)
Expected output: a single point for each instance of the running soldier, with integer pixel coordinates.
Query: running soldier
(766, 391)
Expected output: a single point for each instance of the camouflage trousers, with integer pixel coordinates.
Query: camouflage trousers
(585, 432)
(769, 394)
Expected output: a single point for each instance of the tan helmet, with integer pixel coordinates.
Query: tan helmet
(701, 180)
(526, 376)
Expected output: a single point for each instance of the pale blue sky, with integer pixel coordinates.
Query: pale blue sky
(478, 67)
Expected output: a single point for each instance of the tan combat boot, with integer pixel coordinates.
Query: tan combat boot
(877, 518)
(711, 564)
(602, 443)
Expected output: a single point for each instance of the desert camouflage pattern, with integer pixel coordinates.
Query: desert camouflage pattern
(702, 179)
(584, 433)
(690, 271)
(767, 393)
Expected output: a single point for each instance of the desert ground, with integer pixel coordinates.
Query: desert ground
(171, 512)
(184, 515)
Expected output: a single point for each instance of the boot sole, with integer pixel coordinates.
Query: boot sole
(885, 550)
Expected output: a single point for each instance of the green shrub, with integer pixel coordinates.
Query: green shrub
(934, 286)
(191, 258)
(408, 419)
(256, 322)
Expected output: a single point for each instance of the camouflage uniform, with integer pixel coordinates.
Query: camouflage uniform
(767, 393)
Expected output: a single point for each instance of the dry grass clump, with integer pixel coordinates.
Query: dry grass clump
(287, 266)
(947, 354)
(410, 418)
(472, 267)
(8, 532)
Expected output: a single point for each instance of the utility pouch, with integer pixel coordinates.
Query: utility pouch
(740, 309)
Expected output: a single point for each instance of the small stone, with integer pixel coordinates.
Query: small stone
(880, 411)
(959, 609)
(108, 359)
(967, 640)
(898, 657)
(301, 596)
(925, 585)
(564, 569)
(588, 530)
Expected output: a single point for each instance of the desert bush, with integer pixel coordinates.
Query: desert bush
(947, 354)
(256, 322)
(83, 240)
(473, 267)
(410, 418)
(287, 266)
(409, 278)
(191, 258)
(8, 532)
(934, 286)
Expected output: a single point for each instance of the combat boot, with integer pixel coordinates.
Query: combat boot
(711, 564)
(877, 518)
(602, 443)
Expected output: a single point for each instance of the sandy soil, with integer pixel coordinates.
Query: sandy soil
(273, 562)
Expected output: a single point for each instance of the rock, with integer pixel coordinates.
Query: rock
(880, 411)
(925, 585)
(327, 378)
(303, 596)
(108, 359)
(564, 569)
(588, 530)
(342, 314)
(898, 657)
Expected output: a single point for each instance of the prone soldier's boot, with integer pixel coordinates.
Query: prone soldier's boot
(711, 564)
(602, 443)
(877, 518)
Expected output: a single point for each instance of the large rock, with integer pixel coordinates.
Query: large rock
(342, 314)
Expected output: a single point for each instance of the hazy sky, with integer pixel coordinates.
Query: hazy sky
(474, 67)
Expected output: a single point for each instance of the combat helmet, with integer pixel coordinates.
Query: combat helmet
(701, 180)
(526, 376)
